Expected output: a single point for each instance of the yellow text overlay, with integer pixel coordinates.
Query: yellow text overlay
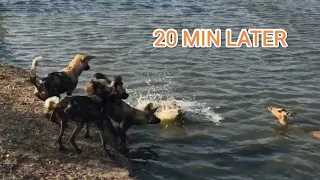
(204, 38)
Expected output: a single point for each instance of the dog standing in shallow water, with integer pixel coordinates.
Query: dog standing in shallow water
(127, 116)
(97, 85)
(123, 113)
(57, 83)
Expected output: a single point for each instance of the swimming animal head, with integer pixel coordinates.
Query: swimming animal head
(281, 114)
(170, 111)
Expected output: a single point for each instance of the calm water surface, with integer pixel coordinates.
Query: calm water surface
(228, 132)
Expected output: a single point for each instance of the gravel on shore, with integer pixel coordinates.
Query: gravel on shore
(28, 140)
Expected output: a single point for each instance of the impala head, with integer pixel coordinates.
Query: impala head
(281, 114)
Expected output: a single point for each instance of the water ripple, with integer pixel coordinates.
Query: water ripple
(229, 86)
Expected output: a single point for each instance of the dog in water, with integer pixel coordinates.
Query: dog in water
(281, 114)
(126, 116)
(168, 110)
(81, 110)
(123, 113)
(57, 83)
(97, 85)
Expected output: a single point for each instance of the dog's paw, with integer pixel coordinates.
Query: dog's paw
(78, 151)
(123, 148)
(110, 152)
(62, 148)
(87, 136)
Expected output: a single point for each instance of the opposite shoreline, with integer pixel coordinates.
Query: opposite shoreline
(28, 140)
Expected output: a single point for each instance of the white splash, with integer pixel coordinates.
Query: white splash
(159, 85)
(193, 108)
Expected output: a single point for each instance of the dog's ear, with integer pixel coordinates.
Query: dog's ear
(87, 58)
(117, 78)
(290, 113)
(154, 109)
(148, 107)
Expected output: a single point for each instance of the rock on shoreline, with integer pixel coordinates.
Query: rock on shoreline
(28, 140)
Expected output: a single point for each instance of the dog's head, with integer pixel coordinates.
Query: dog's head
(117, 86)
(171, 105)
(100, 82)
(281, 114)
(148, 116)
(81, 62)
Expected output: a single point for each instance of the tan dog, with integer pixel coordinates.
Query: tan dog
(57, 83)
(168, 110)
(281, 114)
(170, 105)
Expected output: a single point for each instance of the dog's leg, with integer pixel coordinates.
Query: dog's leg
(102, 132)
(122, 129)
(38, 95)
(62, 128)
(122, 133)
(124, 126)
(69, 93)
(111, 132)
(87, 134)
(72, 88)
(99, 125)
(53, 118)
(76, 131)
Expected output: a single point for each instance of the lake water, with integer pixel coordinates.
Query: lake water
(228, 132)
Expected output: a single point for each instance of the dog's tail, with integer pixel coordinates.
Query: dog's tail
(51, 103)
(33, 72)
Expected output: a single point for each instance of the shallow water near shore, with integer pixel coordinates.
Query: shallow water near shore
(227, 132)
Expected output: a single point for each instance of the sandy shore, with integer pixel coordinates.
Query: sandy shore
(28, 140)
